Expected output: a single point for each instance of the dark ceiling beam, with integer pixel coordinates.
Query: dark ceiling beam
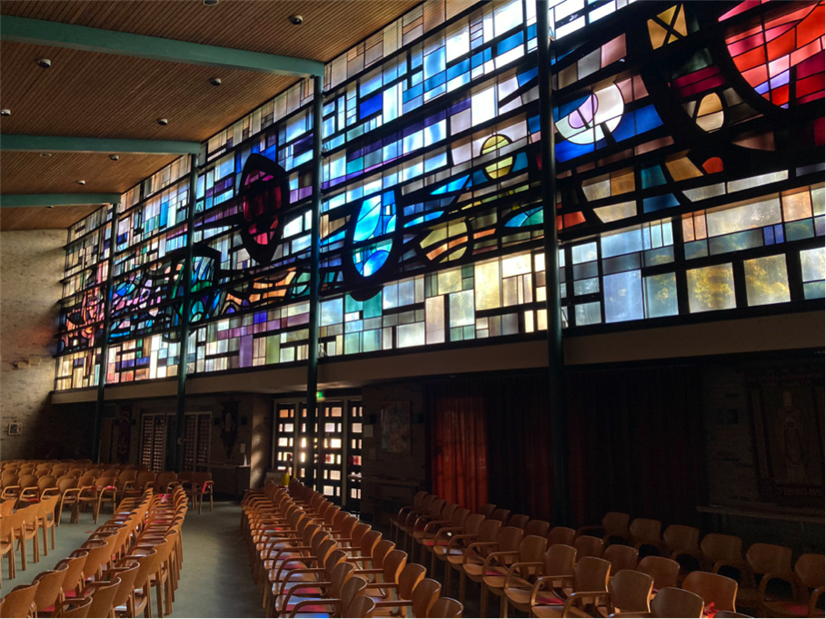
(57, 34)
(65, 144)
(58, 199)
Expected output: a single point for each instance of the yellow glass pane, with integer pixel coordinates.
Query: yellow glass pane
(767, 281)
(622, 182)
(486, 279)
(682, 168)
(711, 288)
(797, 206)
(450, 281)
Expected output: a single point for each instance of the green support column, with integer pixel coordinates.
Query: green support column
(556, 358)
(315, 286)
(186, 282)
(107, 326)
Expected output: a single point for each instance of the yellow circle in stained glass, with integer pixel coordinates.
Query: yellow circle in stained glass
(499, 168)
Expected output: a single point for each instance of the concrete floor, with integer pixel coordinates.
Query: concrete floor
(215, 582)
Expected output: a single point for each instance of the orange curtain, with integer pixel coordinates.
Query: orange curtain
(458, 441)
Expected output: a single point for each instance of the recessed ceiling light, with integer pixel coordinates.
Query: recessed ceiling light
(215, 81)
(44, 63)
(210, 2)
(296, 20)
(81, 182)
(114, 157)
(5, 112)
(163, 122)
(45, 154)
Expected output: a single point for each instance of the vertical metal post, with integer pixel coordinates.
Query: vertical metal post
(107, 326)
(186, 282)
(556, 358)
(315, 287)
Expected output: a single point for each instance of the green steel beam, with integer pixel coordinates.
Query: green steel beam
(58, 199)
(56, 144)
(56, 34)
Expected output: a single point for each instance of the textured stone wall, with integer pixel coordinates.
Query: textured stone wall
(31, 266)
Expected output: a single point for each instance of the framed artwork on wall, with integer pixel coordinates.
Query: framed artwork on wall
(14, 429)
(395, 427)
(787, 413)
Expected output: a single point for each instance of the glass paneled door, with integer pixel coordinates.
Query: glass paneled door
(332, 450)
(355, 421)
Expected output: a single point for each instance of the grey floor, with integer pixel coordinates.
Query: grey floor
(216, 580)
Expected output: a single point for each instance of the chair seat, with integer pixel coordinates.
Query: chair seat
(442, 551)
(548, 611)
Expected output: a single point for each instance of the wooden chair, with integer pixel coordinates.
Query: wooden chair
(8, 526)
(9, 483)
(50, 589)
(433, 512)
(621, 557)
(68, 490)
(501, 514)
(201, 485)
(106, 491)
(671, 602)
(363, 606)
(519, 521)
(389, 594)
(538, 527)
(476, 560)
(73, 579)
(561, 535)
(26, 487)
(441, 531)
(588, 587)
(808, 576)
(330, 590)
(717, 550)
(760, 559)
(20, 601)
(446, 608)
(142, 593)
(681, 542)
(665, 572)
(630, 591)
(301, 580)
(556, 567)
(341, 605)
(400, 520)
(103, 594)
(48, 522)
(123, 602)
(28, 528)
(614, 528)
(526, 563)
(451, 542)
(713, 588)
(588, 546)
(486, 510)
(488, 534)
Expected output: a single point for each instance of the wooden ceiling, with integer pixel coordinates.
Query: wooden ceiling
(87, 94)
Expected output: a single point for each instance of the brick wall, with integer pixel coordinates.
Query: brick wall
(31, 266)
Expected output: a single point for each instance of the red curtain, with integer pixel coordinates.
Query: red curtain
(458, 446)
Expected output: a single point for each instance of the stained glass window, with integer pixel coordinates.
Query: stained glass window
(689, 147)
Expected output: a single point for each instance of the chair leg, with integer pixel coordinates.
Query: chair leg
(448, 574)
(483, 603)
(24, 558)
(503, 606)
(53, 528)
(462, 586)
(433, 562)
(45, 541)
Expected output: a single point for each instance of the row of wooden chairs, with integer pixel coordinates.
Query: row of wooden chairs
(309, 556)
(115, 570)
(24, 525)
(515, 558)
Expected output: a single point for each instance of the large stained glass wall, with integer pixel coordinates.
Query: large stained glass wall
(689, 146)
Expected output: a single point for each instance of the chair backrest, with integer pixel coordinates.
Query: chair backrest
(718, 547)
(472, 523)
(19, 602)
(447, 608)
(489, 530)
(105, 480)
(80, 608)
(621, 557)
(436, 507)
(765, 558)
(6, 508)
(92, 472)
(409, 579)
(147, 477)
(713, 588)
(64, 483)
(127, 475)
(111, 473)
(673, 602)
(51, 586)
(538, 527)
(74, 570)
(448, 509)
(501, 514)
(645, 531)
(664, 571)
(810, 570)
(425, 595)
(103, 596)
(561, 535)
(681, 538)
(591, 574)
(341, 574)
(559, 560)
(27, 481)
(369, 543)
(349, 592)
(127, 574)
(615, 524)
(509, 539)
(460, 515)
(588, 546)
(147, 566)
(359, 531)
(86, 480)
(393, 564)
(486, 510)
(531, 550)
(75, 472)
(8, 479)
(418, 498)
(630, 591)
(362, 606)
(519, 521)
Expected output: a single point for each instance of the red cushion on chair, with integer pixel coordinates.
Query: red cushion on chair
(801, 610)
